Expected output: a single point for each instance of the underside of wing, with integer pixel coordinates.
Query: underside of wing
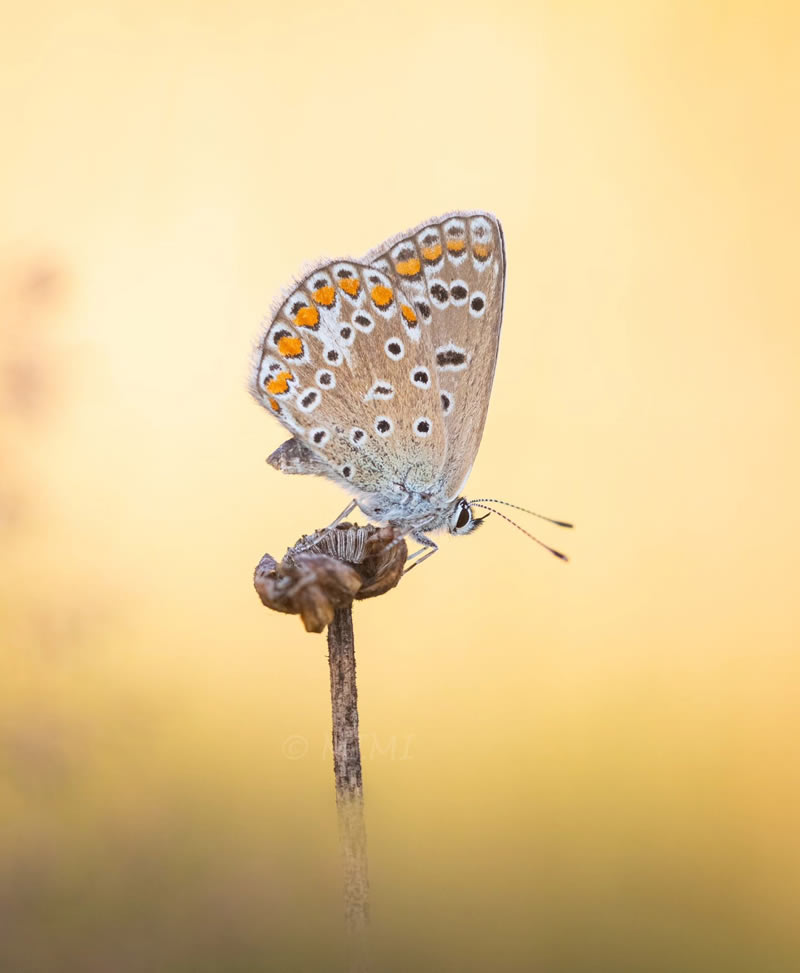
(453, 271)
(345, 364)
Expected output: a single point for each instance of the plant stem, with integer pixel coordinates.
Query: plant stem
(347, 773)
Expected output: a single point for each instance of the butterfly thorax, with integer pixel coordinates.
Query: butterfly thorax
(423, 513)
(412, 510)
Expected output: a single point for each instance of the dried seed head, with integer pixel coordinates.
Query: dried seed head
(328, 569)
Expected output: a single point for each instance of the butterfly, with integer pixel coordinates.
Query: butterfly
(382, 369)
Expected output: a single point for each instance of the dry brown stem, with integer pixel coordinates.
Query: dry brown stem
(318, 579)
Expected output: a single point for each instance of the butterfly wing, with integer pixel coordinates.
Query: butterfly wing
(453, 269)
(345, 365)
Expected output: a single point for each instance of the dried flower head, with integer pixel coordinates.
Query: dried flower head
(328, 569)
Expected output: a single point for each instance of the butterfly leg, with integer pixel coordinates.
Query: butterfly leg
(429, 548)
(347, 510)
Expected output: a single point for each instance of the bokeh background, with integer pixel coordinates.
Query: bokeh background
(590, 766)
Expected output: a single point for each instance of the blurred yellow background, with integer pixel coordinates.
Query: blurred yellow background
(590, 766)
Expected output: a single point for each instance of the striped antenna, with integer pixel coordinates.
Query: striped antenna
(558, 523)
(553, 551)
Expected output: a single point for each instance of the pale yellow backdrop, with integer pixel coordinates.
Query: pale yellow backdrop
(589, 766)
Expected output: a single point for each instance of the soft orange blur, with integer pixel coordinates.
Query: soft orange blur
(590, 766)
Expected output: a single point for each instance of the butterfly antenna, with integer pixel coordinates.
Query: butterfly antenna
(513, 523)
(558, 523)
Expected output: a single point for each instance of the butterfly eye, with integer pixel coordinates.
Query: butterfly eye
(461, 521)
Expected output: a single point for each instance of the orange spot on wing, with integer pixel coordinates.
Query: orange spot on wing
(290, 347)
(307, 317)
(280, 384)
(481, 250)
(455, 246)
(407, 268)
(382, 295)
(274, 405)
(408, 313)
(325, 296)
(350, 285)
(433, 253)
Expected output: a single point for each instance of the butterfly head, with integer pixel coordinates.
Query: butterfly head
(461, 519)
